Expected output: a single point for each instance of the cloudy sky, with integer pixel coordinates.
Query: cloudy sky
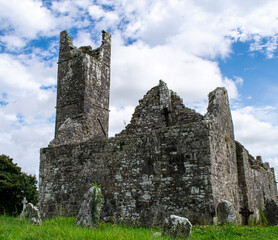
(193, 45)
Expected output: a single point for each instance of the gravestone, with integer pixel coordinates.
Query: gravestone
(32, 213)
(90, 208)
(177, 227)
(225, 212)
(22, 214)
(29, 211)
(271, 211)
(245, 212)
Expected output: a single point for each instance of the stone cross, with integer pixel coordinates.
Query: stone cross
(245, 212)
(24, 201)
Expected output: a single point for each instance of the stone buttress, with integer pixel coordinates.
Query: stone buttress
(224, 175)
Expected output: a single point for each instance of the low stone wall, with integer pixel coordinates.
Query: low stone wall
(144, 177)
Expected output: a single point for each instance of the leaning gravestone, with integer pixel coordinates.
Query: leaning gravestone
(30, 212)
(33, 214)
(271, 211)
(177, 227)
(90, 208)
(225, 212)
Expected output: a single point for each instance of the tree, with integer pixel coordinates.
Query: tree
(14, 186)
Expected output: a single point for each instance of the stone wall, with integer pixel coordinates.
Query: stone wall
(144, 177)
(256, 181)
(224, 173)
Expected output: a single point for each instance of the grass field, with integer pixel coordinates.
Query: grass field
(63, 228)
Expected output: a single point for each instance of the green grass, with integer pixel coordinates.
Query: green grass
(234, 232)
(63, 228)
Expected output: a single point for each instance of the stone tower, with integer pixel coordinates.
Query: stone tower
(82, 110)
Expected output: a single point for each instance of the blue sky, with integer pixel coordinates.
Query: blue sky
(193, 45)
(260, 74)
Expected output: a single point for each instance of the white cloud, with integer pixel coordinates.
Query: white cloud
(24, 121)
(13, 42)
(25, 17)
(231, 85)
(269, 47)
(138, 67)
(13, 74)
(202, 28)
(84, 39)
(258, 136)
(253, 129)
(96, 12)
(23, 144)
(106, 19)
(119, 118)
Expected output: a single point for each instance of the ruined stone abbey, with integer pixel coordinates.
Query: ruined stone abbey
(168, 160)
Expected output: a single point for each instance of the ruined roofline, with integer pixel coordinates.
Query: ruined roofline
(254, 163)
(213, 98)
(160, 107)
(69, 51)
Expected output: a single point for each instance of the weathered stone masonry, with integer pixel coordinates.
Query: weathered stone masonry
(82, 110)
(168, 160)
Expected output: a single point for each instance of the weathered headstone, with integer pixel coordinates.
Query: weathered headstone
(177, 227)
(245, 212)
(225, 212)
(271, 211)
(90, 208)
(32, 213)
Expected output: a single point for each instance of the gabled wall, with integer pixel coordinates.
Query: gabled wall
(160, 107)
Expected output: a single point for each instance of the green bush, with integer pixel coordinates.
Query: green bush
(14, 186)
(263, 219)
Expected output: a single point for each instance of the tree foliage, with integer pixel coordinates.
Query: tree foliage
(14, 186)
